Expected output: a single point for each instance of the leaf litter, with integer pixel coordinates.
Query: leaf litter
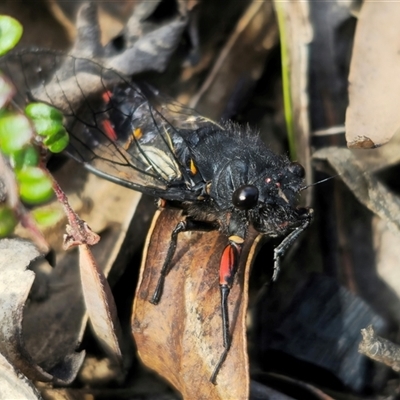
(64, 298)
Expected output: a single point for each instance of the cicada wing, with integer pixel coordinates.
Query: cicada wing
(176, 114)
(113, 127)
(116, 134)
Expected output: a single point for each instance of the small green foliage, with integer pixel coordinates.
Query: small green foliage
(15, 132)
(43, 111)
(46, 127)
(286, 71)
(58, 142)
(8, 221)
(35, 186)
(47, 217)
(27, 157)
(10, 33)
(48, 123)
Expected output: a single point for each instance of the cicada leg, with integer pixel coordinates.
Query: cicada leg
(283, 247)
(227, 270)
(186, 225)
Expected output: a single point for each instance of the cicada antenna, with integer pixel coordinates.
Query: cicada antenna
(318, 182)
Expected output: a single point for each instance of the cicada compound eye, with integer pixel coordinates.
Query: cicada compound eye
(297, 169)
(245, 197)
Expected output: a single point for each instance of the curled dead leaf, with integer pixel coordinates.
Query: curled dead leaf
(100, 305)
(16, 281)
(181, 337)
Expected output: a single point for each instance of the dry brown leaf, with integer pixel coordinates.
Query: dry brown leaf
(181, 337)
(53, 325)
(14, 385)
(16, 281)
(373, 117)
(100, 305)
(368, 190)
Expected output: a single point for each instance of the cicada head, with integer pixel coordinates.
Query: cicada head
(277, 211)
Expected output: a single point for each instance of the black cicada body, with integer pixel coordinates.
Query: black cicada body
(221, 175)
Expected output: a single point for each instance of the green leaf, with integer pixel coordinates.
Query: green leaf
(58, 142)
(47, 217)
(43, 111)
(287, 92)
(10, 33)
(15, 132)
(27, 157)
(47, 127)
(8, 221)
(35, 186)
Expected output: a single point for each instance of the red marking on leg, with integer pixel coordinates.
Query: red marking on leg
(229, 262)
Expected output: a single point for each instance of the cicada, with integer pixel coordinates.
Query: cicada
(221, 175)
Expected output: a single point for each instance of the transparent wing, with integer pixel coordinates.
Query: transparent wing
(127, 133)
